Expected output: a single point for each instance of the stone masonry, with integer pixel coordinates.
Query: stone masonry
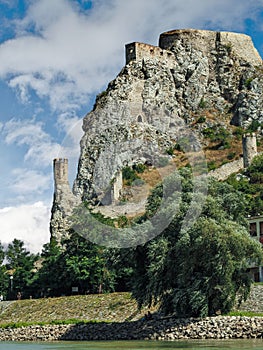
(64, 201)
(152, 102)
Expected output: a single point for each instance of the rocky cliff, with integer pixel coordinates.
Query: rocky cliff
(195, 81)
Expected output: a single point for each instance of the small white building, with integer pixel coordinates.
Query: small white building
(256, 232)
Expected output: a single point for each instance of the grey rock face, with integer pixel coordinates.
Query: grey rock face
(64, 201)
(148, 107)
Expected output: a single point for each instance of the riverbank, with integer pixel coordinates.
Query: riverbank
(115, 317)
(168, 329)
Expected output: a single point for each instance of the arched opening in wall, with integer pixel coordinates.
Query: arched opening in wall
(139, 119)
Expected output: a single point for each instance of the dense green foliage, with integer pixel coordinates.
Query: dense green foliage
(250, 183)
(80, 264)
(129, 175)
(199, 271)
(17, 270)
(218, 135)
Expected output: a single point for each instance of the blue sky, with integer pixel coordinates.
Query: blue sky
(55, 56)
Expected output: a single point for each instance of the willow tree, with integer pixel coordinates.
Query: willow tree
(201, 270)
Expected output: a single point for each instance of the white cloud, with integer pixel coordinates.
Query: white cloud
(26, 181)
(29, 223)
(39, 150)
(29, 133)
(72, 54)
(72, 127)
(64, 54)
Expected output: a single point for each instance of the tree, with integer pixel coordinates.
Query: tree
(48, 281)
(4, 278)
(85, 266)
(79, 263)
(249, 183)
(20, 263)
(199, 271)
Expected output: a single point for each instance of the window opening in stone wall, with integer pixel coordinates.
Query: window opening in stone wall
(139, 119)
(253, 229)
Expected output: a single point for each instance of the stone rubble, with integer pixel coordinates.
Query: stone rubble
(168, 329)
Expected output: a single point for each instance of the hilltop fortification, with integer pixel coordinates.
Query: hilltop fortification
(63, 202)
(193, 80)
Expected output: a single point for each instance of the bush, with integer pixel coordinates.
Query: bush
(177, 147)
(138, 182)
(170, 151)
(238, 132)
(162, 162)
(201, 119)
(255, 124)
(211, 165)
(220, 135)
(248, 82)
(129, 175)
(139, 168)
(231, 155)
(202, 103)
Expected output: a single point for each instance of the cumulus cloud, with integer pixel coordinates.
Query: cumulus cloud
(72, 128)
(27, 181)
(39, 150)
(30, 134)
(65, 54)
(29, 223)
(71, 54)
(40, 147)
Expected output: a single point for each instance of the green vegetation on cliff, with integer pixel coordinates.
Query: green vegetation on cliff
(250, 183)
(201, 270)
(194, 272)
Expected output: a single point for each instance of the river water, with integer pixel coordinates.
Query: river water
(242, 344)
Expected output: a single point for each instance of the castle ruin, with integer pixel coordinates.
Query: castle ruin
(154, 96)
(205, 40)
(249, 143)
(63, 201)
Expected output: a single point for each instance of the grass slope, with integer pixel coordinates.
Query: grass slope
(114, 307)
(117, 307)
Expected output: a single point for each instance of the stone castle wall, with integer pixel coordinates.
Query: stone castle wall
(207, 41)
(151, 103)
(201, 40)
(64, 201)
(249, 143)
(223, 172)
(137, 51)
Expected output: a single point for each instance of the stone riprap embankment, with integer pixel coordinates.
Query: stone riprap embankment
(221, 327)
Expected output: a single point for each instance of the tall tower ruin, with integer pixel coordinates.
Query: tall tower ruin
(249, 143)
(60, 169)
(64, 201)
